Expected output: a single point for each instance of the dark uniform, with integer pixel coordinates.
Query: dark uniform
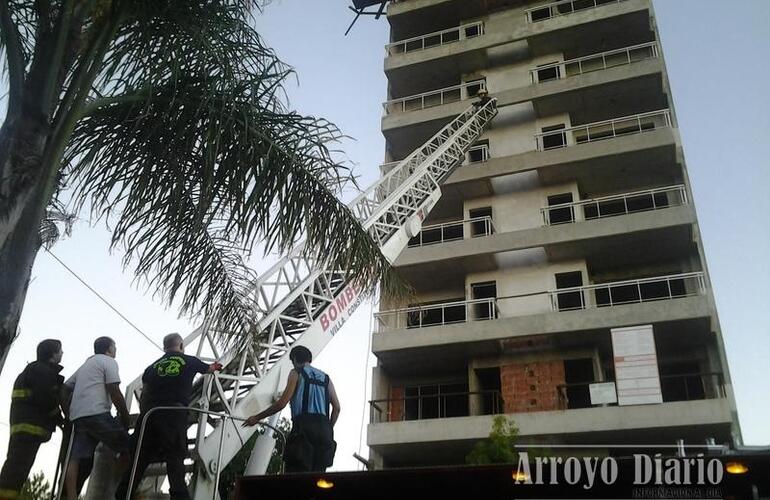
(167, 382)
(35, 414)
(310, 445)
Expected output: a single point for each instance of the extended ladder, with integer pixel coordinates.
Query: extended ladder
(302, 301)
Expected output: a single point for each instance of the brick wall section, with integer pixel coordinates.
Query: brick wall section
(531, 386)
(395, 408)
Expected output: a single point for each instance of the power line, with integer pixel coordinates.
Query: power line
(73, 273)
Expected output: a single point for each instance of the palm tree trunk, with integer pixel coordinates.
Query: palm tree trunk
(23, 208)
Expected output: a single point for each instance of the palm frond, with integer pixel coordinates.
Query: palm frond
(191, 151)
(57, 223)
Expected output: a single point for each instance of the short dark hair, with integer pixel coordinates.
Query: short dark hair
(172, 340)
(301, 354)
(102, 345)
(47, 348)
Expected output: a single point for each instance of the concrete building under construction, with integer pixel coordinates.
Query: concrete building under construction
(561, 279)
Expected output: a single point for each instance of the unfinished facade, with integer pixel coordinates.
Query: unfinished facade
(570, 221)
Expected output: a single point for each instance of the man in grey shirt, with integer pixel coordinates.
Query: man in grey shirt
(95, 388)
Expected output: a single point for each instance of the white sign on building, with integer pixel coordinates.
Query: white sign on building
(603, 393)
(636, 366)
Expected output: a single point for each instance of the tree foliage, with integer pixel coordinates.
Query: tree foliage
(498, 448)
(168, 120)
(36, 488)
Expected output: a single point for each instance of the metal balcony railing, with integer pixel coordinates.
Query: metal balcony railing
(616, 293)
(607, 129)
(452, 231)
(594, 62)
(610, 206)
(628, 292)
(429, 406)
(562, 8)
(674, 387)
(435, 39)
(433, 98)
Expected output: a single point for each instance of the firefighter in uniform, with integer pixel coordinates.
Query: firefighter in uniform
(35, 413)
(310, 446)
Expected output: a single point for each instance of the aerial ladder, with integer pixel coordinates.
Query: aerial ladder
(302, 301)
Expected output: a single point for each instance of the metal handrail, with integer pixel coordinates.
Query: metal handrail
(555, 13)
(603, 55)
(489, 228)
(224, 416)
(493, 302)
(460, 36)
(679, 189)
(374, 406)
(561, 389)
(482, 84)
(665, 113)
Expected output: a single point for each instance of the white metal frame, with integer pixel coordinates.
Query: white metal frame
(404, 46)
(553, 8)
(678, 190)
(659, 119)
(563, 68)
(301, 300)
(433, 98)
(398, 319)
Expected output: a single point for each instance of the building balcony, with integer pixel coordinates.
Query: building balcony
(433, 234)
(620, 293)
(594, 62)
(441, 405)
(466, 48)
(440, 441)
(603, 130)
(644, 157)
(592, 231)
(439, 97)
(562, 8)
(436, 39)
(615, 205)
(414, 118)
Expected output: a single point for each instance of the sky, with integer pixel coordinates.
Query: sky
(714, 52)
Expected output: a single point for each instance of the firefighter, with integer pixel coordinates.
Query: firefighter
(35, 413)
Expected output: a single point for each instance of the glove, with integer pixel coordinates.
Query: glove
(215, 367)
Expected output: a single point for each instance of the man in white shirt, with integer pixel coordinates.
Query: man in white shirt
(95, 388)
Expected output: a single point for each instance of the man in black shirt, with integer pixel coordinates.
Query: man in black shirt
(166, 382)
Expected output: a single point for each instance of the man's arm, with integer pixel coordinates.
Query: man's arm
(120, 403)
(335, 404)
(279, 405)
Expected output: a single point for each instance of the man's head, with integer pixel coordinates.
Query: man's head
(173, 342)
(300, 355)
(106, 346)
(49, 351)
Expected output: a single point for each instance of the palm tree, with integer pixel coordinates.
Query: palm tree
(167, 118)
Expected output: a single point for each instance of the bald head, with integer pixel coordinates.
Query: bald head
(173, 342)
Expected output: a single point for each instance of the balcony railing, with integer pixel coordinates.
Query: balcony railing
(607, 129)
(564, 299)
(610, 206)
(435, 39)
(433, 98)
(674, 387)
(628, 292)
(457, 404)
(594, 62)
(452, 231)
(555, 9)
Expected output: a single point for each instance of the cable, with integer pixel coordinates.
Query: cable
(73, 273)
